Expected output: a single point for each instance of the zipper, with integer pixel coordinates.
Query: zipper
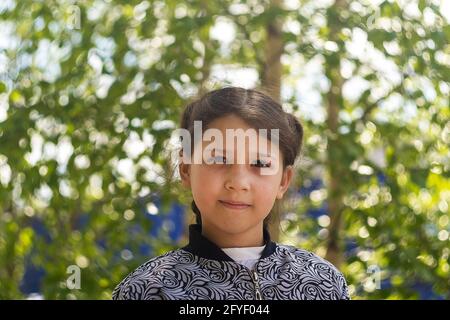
(254, 276)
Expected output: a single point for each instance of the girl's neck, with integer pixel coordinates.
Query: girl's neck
(249, 238)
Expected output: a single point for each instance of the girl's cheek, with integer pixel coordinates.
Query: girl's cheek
(208, 175)
(268, 184)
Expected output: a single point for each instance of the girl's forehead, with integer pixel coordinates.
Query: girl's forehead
(230, 133)
(231, 121)
(234, 124)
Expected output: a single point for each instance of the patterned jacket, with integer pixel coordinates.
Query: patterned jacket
(201, 270)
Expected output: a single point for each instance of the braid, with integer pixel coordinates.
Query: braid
(198, 217)
(297, 133)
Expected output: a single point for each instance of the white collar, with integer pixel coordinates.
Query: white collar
(245, 253)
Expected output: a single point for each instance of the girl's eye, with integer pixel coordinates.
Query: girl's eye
(217, 160)
(223, 160)
(262, 164)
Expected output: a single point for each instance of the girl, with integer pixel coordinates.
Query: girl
(230, 254)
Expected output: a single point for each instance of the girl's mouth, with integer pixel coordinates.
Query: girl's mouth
(238, 206)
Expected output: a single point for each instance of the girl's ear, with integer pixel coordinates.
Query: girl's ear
(184, 170)
(285, 181)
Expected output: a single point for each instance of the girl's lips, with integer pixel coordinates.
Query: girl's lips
(233, 205)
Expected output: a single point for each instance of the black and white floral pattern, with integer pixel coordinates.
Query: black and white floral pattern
(287, 273)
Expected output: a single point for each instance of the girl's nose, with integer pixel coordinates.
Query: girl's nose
(237, 178)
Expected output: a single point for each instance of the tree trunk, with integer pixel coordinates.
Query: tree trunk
(271, 80)
(334, 165)
(271, 72)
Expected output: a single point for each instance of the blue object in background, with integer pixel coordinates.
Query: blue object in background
(174, 218)
(32, 279)
(381, 177)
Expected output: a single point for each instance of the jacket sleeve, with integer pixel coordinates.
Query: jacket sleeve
(137, 286)
(343, 288)
(121, 292)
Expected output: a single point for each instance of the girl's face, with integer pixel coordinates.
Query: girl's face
(215, 184)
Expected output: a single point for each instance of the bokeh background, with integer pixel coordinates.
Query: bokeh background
(91, 90)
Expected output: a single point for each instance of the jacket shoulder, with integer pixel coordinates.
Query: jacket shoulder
(143, 282)
(317, 268)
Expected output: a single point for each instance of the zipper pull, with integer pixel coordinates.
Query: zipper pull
(255, 280)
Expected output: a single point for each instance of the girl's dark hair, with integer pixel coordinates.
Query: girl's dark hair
(255, 108)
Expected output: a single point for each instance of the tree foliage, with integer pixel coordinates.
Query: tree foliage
(91, 90)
